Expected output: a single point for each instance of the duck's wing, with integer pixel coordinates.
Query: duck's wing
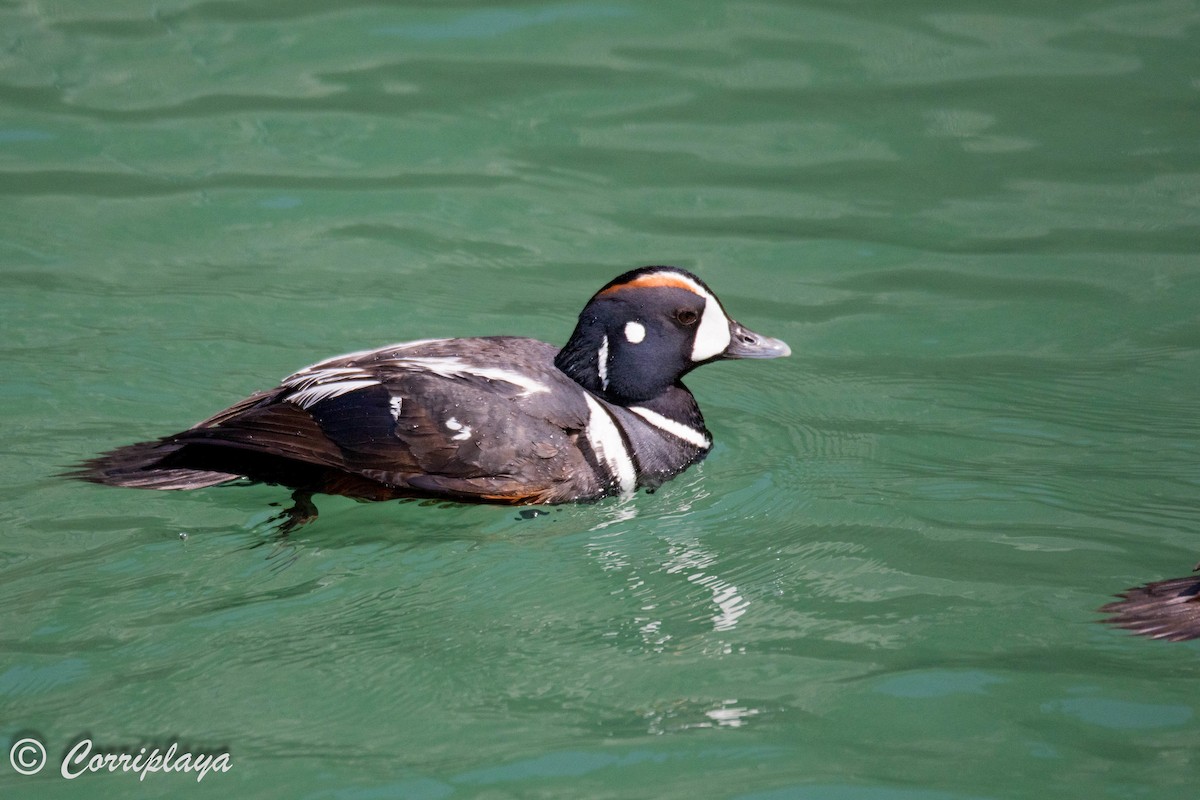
(401, 421)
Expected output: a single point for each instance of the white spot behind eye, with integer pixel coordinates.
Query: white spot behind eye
(635, 332)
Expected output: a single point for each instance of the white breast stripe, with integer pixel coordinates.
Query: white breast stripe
(605, 439)
(397, 406)
(602, 363)
(677, 429)
(451, 367)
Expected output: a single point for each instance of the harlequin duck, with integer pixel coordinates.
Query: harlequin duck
(494, 419)
(1167, 609)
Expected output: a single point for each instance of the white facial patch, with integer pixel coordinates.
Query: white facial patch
(635, 332)
(602, 363)
(396, 404)
(605, 439)
(712, 334)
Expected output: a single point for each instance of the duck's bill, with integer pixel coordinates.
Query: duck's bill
(745, 343)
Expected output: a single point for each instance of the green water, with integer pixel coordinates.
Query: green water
(977, 225)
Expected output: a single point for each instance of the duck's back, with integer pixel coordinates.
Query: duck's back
(488, 419)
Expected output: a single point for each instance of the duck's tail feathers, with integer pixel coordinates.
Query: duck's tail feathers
(145, 465)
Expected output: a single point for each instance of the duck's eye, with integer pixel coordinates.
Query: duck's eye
(686, 316)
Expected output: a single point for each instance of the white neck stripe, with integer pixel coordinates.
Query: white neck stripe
(676, 429)
(602, 363)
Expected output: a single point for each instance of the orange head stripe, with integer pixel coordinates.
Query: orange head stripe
(653, 281)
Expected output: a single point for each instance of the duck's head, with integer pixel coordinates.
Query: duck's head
(648, 328)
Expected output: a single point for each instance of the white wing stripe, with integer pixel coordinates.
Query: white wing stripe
(313, 384)
(306, 398)
(305, 378)
(450, 367)
(320, 365)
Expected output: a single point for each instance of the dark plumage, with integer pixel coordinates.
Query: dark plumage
(489, 419)
(1167, 609)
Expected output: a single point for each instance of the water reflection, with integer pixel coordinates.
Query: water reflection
(690, 715)
(693, 560)
(664, 608)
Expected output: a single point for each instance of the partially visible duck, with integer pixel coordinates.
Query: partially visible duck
(1167, 609)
